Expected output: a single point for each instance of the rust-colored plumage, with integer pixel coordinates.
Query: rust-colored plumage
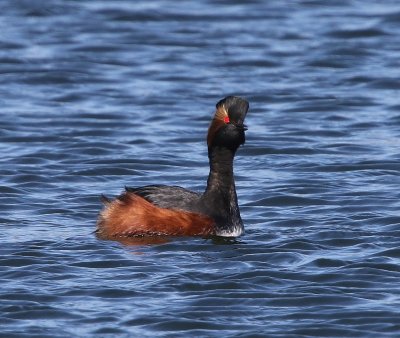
(132, 215)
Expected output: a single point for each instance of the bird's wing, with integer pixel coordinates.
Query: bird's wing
(171, 197)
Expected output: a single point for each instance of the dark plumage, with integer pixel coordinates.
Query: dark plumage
(165, 196)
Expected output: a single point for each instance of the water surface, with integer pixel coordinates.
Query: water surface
(95, 95)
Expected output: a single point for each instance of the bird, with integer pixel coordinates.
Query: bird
(161, 210)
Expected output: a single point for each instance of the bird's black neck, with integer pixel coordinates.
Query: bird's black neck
(220, 195)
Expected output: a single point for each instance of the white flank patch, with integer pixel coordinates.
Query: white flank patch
(235, 232)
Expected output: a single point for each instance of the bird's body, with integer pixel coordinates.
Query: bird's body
(160, 210)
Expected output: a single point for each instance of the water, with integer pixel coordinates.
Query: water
(96, 95)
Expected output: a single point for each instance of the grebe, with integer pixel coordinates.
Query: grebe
(160, 210)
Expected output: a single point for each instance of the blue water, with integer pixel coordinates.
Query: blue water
(95, 95)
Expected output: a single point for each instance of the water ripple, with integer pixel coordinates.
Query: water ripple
(98, 95)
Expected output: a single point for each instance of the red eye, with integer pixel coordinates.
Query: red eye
(226, 119)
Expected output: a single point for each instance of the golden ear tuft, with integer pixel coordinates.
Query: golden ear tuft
(221, 113)
(220, 118)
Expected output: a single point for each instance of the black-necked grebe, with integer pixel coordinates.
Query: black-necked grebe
(159, 210)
